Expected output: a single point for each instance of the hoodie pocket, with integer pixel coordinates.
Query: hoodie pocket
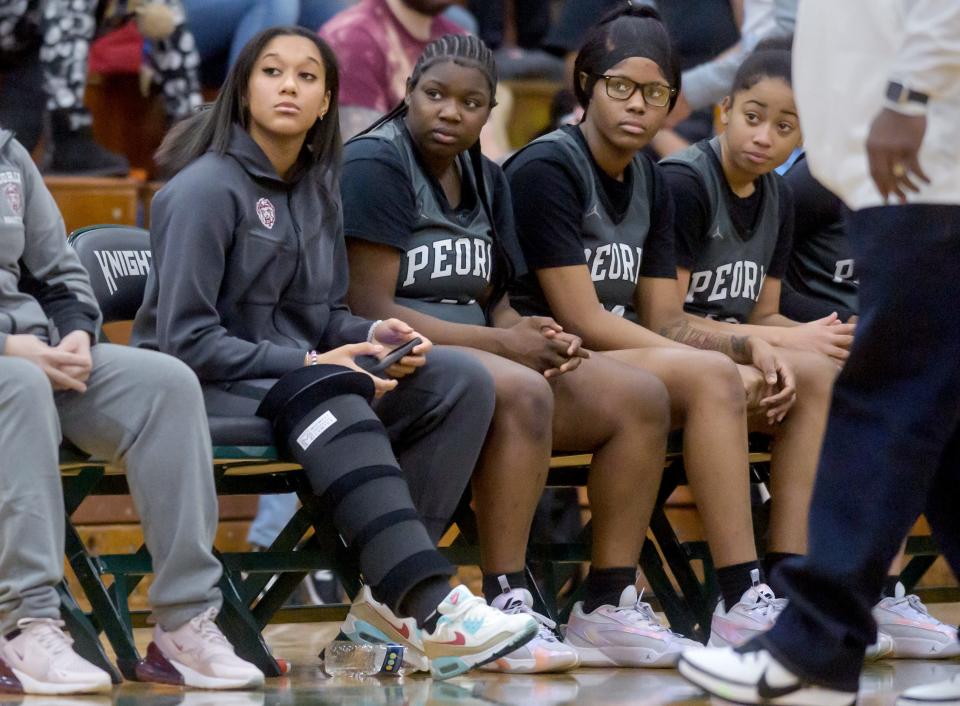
(262, 265)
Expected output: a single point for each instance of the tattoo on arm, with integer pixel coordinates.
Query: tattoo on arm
(684, 332)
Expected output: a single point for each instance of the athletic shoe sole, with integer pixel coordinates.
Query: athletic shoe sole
(33, 686)
(923, 648)
(156, 667)
(742, 693)
(447, 667)
(614, 656)
(532, 665)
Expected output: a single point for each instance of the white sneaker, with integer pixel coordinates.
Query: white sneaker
(197, 654)
(43, 661)
(916, 634)
(470, 633)
(942, 693)
(755, 613)
(754, 678)
(545, 652)
(372, 621)
(881, 649)
(627, 635)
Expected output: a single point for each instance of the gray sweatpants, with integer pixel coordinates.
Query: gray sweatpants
(142, 411)
(437, 420)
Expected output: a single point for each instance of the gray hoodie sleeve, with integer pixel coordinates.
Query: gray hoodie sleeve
(343, 327)
(192, 230)
(50, 270)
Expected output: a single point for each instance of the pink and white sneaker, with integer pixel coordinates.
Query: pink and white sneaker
(470, 633)
(754, 613)
(627, 635)
(915, 633)
(545, 652)
(41, 660)
(197, 654)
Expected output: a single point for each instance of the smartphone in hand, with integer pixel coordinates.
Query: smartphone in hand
(378, 366)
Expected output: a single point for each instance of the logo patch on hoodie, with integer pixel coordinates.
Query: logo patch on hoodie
(14, 197)
(266, 212)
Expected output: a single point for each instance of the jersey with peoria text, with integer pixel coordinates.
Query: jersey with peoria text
(612, 245)
(446, 263)
(731, 265)
(821, 265)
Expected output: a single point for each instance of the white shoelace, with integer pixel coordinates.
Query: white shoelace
(548, 627)
(49, 634)
(767, 605)
(914, 603)
(642, 612)
(208, 630)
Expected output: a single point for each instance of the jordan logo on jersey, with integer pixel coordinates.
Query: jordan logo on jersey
(732, 280)
(716, 234)
(595, 211)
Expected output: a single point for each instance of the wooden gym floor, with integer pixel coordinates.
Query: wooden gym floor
(300, 643)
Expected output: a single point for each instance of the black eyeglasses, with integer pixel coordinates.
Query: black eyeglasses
(621, 88)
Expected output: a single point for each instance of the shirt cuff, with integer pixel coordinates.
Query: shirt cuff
(77, 323)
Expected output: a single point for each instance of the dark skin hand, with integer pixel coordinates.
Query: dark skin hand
(893, 148)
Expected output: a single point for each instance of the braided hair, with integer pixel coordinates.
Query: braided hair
(471, 52)
(463, 50)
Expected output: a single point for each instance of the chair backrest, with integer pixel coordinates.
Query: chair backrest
(118, 259)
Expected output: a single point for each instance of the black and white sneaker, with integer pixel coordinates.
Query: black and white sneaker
(754, 678)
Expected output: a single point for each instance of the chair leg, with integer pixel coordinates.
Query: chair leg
(678, 560)
(678, 613)
(85, 637)
(241, 629)
(89, 577)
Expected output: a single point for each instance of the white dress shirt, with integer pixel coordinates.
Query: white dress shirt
(845, 52)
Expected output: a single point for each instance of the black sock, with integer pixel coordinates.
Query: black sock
(604, 586)
(492, 587)
(422, 600)
(770, 562)
(890, 586)
(735, 580)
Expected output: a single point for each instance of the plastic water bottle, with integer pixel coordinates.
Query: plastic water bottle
(346, 658)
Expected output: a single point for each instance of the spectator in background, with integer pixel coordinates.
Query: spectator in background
(223, 27)
(532, 20)
(377, 43)
(64, 30)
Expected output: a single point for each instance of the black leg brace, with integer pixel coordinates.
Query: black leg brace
(345, 451)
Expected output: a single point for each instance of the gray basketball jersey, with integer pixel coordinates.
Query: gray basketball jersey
(730, 268)
(612, 246)
(821, 265)
(447, 261)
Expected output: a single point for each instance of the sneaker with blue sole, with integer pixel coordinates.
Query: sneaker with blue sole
(469, 633)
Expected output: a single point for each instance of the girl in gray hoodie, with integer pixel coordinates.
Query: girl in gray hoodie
(249, 278)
